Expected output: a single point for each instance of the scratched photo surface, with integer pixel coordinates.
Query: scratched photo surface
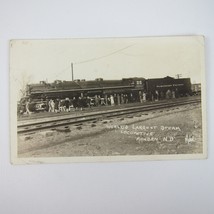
(107, 99)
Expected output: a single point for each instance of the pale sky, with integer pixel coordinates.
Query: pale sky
(108, 58)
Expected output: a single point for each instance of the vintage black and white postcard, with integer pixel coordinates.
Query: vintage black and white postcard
(107, 99)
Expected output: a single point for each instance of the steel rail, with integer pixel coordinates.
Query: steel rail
(57, 118)
(50, 124)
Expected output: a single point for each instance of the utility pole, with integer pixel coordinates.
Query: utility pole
(72, 71)
(178, 76)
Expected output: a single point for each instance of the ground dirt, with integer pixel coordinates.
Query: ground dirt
(176, 130)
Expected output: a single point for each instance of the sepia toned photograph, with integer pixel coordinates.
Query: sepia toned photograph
(107, 99)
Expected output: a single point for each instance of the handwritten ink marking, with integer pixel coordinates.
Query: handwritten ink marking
(189, 138)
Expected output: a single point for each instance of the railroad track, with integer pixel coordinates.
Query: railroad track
(65, 121)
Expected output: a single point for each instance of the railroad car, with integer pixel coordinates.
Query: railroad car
(179, 87)
(196, 88)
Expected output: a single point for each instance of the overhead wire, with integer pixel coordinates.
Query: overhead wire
(104, 56)
(95, 59)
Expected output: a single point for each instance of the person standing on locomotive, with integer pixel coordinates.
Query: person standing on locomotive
(52, 106)
(161, 95)
(144, 96)
(49, 105)
(112, 100)
(140, 97)
(106, 99)
(27, 106)
(80, 103)
(67, 102)
(115, 99)
(168, 94)
(57, 105)
(102, 101)
(126, 100)
(109, 100)
(118, 99)
(122, 99)
(173, 94)
(75, 103)
(156, 95)
(96, 100)
(88, 101)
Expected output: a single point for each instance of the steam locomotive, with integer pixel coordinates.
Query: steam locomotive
(131, 87)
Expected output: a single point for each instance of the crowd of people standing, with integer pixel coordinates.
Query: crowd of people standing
(58, 105)
(81, 102)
